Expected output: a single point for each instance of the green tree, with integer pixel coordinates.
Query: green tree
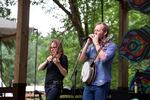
(7, 61)
(82, 15)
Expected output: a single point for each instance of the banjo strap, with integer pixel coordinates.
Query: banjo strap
(102, 44)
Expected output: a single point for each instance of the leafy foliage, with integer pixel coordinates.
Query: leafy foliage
(90, 13)
(4, 10)
(7, 59)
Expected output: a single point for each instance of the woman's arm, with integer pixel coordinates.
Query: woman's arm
(43, 65)
(62, 70)
(61, 67)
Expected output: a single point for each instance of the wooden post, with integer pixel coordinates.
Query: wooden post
(123, 64)
(20, 69)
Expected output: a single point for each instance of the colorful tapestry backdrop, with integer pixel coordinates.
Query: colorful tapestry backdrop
(140, 5)
(143, 81)
(136, 44)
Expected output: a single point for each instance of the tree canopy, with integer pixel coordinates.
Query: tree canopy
(81, 16)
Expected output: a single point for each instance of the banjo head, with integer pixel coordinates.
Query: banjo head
(87, 73)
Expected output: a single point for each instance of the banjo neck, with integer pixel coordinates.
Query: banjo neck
(103, 44)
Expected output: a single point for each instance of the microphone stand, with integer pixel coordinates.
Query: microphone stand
(75, 74)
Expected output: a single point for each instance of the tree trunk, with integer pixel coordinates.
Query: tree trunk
(74, 16)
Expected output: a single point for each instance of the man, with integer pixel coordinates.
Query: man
(103, 57)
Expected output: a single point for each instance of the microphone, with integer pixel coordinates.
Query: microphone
(85, 38)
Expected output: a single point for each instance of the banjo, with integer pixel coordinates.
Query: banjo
(88, 72)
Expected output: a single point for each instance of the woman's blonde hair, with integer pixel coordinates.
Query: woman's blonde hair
(58, 44)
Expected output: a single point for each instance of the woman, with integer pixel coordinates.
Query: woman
(56, 66)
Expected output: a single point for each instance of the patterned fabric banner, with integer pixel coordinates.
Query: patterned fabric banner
(143, 81)
(141, 5)
(136, 44)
